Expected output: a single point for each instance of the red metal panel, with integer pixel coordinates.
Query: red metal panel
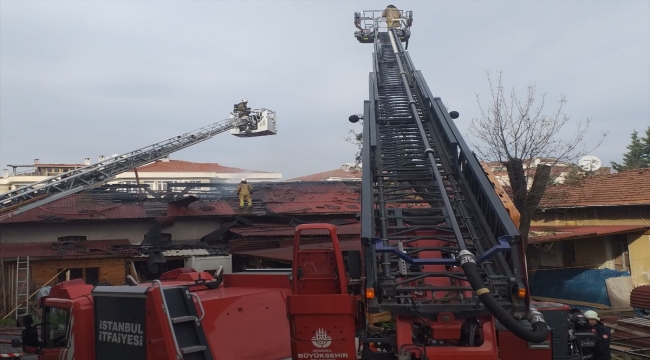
(285, 253)
(640, 297)
(252, 325)
(322, 326)
(512, 347)
(269, 230)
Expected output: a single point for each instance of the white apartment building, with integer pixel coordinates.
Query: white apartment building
(156, 174)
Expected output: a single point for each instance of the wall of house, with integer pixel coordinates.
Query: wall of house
(591, 252)
(617, 215)
(192, 229)
(183, 229)
(110, 269)
(95, 230)
(639, 248)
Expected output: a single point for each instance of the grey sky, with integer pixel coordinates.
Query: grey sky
(87, 78)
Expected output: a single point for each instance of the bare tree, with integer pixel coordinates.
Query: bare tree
(515, 130)
(356, 138)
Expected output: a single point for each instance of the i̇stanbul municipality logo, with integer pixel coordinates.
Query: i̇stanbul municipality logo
(321, 339)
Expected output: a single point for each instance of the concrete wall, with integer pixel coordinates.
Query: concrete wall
(183, 229)
(591, 252)
(639, 247)
(621, 215)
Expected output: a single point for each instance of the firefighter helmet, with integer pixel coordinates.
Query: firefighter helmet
(590, 314)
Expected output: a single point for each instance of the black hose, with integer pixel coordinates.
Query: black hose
(540, 329)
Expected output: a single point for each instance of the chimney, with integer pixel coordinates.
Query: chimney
(87, 161)
(5, 173)
(36, 161)
(101, 158)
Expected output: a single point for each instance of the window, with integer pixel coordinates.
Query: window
(620, 252)
(568, 253)
(89, 275)
(92, 276)
(56, 327)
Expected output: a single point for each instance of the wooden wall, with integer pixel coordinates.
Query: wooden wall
(112, 270)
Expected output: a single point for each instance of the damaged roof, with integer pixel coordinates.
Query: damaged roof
(80, 207)
(269, 198)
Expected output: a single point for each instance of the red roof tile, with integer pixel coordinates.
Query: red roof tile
(310, 198)
(60, 249)
(187, 166)
(540, 234)
(625, 188)
(202, 208)
(326, 175)
(79, 207)
(286, 253)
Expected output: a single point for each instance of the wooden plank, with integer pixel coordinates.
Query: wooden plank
(133, 272)
(383, 316)
(572, 302)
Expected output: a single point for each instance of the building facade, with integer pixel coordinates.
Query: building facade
(156, 175)
(601, 223)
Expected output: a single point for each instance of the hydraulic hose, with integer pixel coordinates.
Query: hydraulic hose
(540, 329)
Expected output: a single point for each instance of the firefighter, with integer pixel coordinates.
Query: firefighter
(392, 16)
(602, 350)
(242, 108)
(244, 190)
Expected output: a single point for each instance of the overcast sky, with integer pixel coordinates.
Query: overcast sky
(87, 78)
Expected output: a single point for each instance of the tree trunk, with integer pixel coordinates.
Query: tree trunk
(526, 201)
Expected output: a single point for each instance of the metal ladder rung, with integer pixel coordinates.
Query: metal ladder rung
(180, 319)
(192, 349)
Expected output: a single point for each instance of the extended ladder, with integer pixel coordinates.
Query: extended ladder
(71, 182)
(425, 199)
(22, 286)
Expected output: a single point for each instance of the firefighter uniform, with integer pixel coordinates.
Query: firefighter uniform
(244, 191)
(602, 350)
(242, 108)
(392, 16)
(603, 334)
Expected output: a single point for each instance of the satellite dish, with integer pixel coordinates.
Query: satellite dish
(589, 163)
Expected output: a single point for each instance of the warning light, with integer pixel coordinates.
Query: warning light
(370, 293)
(521, 293)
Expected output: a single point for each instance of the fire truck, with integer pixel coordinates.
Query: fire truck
(439, 252)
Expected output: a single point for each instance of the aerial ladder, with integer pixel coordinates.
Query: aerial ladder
(259, 122)
(441, 253)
